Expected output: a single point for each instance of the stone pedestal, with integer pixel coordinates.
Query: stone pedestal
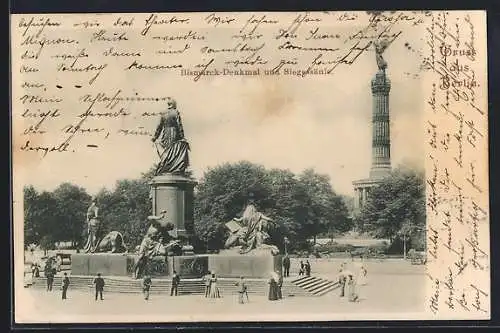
(258, 266)
(249, 266)
(225, 265)
(114, 264)
(191, 267)
(110, 264)
(174, 194)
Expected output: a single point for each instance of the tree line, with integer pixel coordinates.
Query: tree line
(302, 205)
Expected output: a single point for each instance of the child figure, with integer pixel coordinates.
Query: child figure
(362, 275)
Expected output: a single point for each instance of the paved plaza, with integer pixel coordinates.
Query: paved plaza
(394, 290)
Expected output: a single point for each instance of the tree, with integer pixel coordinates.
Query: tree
(326, 211)
(47, 243)
(40, 216)
(72, 204)
(31, 227)
(126, 209)
(45, 214)
(223, 193)
(300, 206)
(397, 205)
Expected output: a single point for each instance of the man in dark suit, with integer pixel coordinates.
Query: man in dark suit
(286, 266)
(99, 286)
(65, 285)
(175, 284)
(146, 286)
(50, 273)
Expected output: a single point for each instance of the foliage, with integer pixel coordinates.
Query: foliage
(40, 215)
(333, 247)
(125, 209)
(47, 243)
(396, 207)
(301, 206)
(61, 215)
(71, 206)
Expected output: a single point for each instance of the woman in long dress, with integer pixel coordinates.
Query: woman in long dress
(351, 288)
(214, 290)
(273, 287)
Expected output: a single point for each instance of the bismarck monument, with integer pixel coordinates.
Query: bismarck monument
(165, 246)
(381, 138)
(170, 225)
(171, 188)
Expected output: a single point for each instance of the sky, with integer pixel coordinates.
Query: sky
(320, 122)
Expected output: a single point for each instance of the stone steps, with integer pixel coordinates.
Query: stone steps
(315, 285)
(162, 286)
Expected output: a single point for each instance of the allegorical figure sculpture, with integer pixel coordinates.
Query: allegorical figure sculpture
(380, 46)
(112, 242)
(92, 227)
(156, 242)
(169, 135)
(250, 231)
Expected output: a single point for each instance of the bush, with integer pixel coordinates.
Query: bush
(379, 248)
(334, 247)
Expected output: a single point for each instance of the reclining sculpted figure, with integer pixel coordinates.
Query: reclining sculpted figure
(250, 231)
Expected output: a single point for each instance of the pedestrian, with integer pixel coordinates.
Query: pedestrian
(273, 287)
(65, 285)
(49, 274)
(146, 286)
(307, 267)
(176, 279)
(37, 270)
(33, 269)
(214, 290)
(279, 285)
(242, 290)
(58, 262)
(362, 275)
(286, 265)
(351, 288)
(342, 278)
(99, 286)
(301, 271)
(206, 279)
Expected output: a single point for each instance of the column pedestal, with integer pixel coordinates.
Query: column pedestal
(174, 194)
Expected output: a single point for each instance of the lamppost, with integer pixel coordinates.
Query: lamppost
(405, 230)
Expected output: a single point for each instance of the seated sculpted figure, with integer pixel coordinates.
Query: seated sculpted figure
(153, 244)
(252, 233)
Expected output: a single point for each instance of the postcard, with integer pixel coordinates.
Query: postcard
(250, 166)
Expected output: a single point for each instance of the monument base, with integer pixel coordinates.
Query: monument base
(225, 265)
(247, 265)
(173, 194)
(114, 264)
(111, 264)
